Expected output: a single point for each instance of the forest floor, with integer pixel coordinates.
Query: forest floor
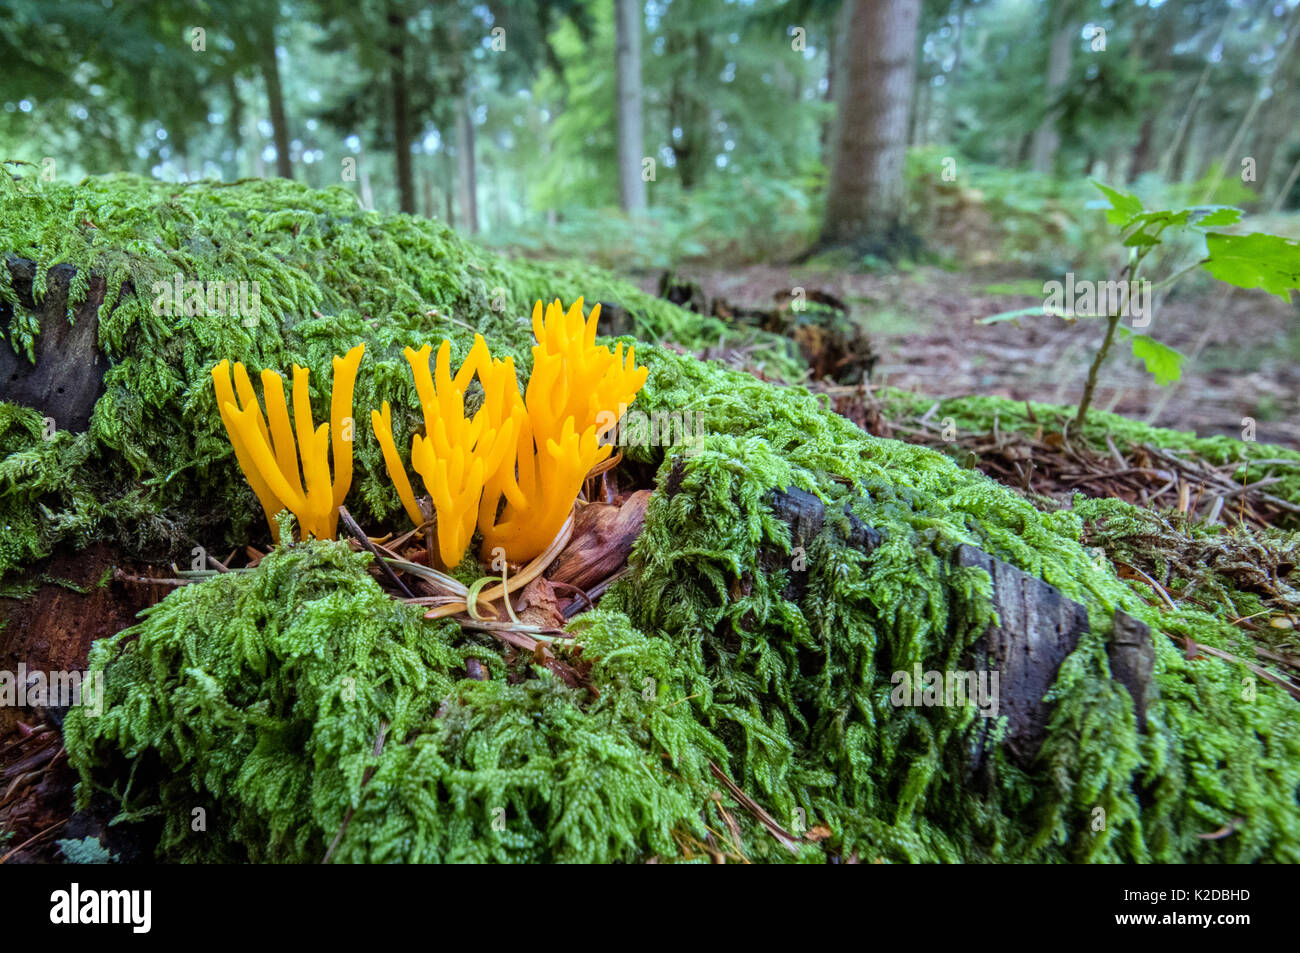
(1243, 348)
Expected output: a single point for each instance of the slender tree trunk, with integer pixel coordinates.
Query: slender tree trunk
(1142, 152)
(426, 182)
(1178, 161)
(1047, 139)
(468, 170)
(275, 100)
(449, 192)
(1143, 158)
(1174, 157)
(401, 110)
(865, 198)
(685, 110)
(236, 123)
(627, 59)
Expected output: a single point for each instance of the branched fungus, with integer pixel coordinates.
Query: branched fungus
(265, 446)
(575, 394)
(456, 455)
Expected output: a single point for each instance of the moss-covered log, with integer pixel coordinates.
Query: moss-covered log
(259, 696)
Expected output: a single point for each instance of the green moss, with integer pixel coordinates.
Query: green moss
(790, 694)
(258, 697)
(800, 691)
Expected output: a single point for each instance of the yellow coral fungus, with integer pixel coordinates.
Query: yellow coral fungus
(265, 449)
(574, 384)
(590, 380)
(455, 456)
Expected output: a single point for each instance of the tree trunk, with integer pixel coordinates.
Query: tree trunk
(1142, 152)
(865, 199)
(449, 191)
(920, 118)
(1179, 159)
(468, 172)
(627, 59)
(275, 100)
(401, 111)
(236, 123)
(1174, 157)
(834, 69)
(685, 110)
(426, 183)
(1047, 139)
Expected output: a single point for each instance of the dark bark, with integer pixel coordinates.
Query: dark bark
(401, 110)
(275, 102)
(685, 110)
(68, 376)
(1132, 657)
(236, 122)
(1047, 139)
(1143, 155)
(1037, 628)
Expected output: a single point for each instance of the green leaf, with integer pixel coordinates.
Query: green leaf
(1037, 311)
(1162, 361)
(1207, 216)
(1148, 226)
(1124, 206)
(1257, 260)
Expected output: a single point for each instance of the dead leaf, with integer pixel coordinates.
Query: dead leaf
(537, 605)
(603, 535)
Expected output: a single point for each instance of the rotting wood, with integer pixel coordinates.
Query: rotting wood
(1037, 628)
(1132, 662)
(68, 376)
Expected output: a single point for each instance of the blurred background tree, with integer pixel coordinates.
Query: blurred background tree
(666, 129)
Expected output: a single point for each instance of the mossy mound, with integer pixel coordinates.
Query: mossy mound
(259, 696)
(155, 470)
(258, 699)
